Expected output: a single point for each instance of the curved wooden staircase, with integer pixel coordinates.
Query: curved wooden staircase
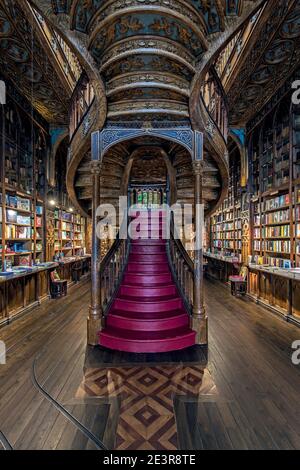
(148, 314)
(150, 63)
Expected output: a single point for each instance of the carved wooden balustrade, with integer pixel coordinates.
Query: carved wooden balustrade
(81, 102)
(182, 268)
(111, 271)
(214, 99)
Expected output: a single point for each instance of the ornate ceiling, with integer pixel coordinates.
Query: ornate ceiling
(270, 59)
(147, 51)
(25, 62)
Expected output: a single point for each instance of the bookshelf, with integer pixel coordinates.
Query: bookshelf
(22, 191)
(274, 186)
(22, 221)
(226, 223)
(67, 233)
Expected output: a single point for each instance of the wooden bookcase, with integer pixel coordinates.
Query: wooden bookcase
(68, 231)
(22, 229)
(23, 144)
(274, 187)
(226, 223)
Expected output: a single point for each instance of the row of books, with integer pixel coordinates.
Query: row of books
(278, 246)
(66, 226)
(229, 245)
(277, 202)
(15, 231)
(14, 217)
(270, 261)
(64, 215)
(18, 202)
(282, 231)
(275, 217)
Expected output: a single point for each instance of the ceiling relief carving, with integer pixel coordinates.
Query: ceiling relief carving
(148, 79)
(147, 93)
(268, 64)
(148, 166)
(142, 24)
(147, 63)
(24, 61)
(147, 45)
(61, 6)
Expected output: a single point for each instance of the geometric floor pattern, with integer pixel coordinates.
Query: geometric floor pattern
(145, 397)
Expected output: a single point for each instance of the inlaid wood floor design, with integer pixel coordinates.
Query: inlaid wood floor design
(247, 397)
(146, 400)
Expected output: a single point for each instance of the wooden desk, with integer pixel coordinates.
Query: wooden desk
(277, 289)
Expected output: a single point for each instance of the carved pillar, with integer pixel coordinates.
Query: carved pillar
(200, 321)
(95, 311)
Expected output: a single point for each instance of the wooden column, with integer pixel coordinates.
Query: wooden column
(200, 321)
(95, 311)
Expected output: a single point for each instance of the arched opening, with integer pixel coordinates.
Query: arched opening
(148, 182)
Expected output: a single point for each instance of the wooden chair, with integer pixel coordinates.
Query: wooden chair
(76, 271)
(58, 287)
(239, 283)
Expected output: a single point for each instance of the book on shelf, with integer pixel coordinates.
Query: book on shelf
(11, 216)
(282, 231)
(38, 221)
(278, 246)
(276, 217)
(23, 204)
(278, 202)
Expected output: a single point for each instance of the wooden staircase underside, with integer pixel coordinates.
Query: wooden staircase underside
(146, 61)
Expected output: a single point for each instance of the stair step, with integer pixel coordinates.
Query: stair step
(146, 242)
(141, 322)
(147, 233)
(148, 315)
(151, 292)
(147, 250)
(147, 268)
(149, 258)
(148, 305)
(147, 342)
(147, 279)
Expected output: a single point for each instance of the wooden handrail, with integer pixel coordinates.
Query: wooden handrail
(182, 268)
(112, 269)
(219, 113)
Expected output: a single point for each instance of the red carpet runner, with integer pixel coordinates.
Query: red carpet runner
(148, 315)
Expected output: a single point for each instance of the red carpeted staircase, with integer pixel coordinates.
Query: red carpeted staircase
(148, 314)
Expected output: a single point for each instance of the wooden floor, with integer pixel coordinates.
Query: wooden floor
(246, 397)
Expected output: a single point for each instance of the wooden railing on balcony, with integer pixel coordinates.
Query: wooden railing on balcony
(182, 268)
(214, 100)
(81, 101)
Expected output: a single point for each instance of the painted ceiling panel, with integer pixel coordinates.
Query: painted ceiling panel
(271, 59)
(24, 61)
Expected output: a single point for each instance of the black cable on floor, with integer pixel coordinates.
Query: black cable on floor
(5, 443)
(99, 444)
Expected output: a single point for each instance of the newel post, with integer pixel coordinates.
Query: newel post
(95, 310)
(200, 320)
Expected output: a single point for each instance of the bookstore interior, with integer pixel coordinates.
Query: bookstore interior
(120, 330)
